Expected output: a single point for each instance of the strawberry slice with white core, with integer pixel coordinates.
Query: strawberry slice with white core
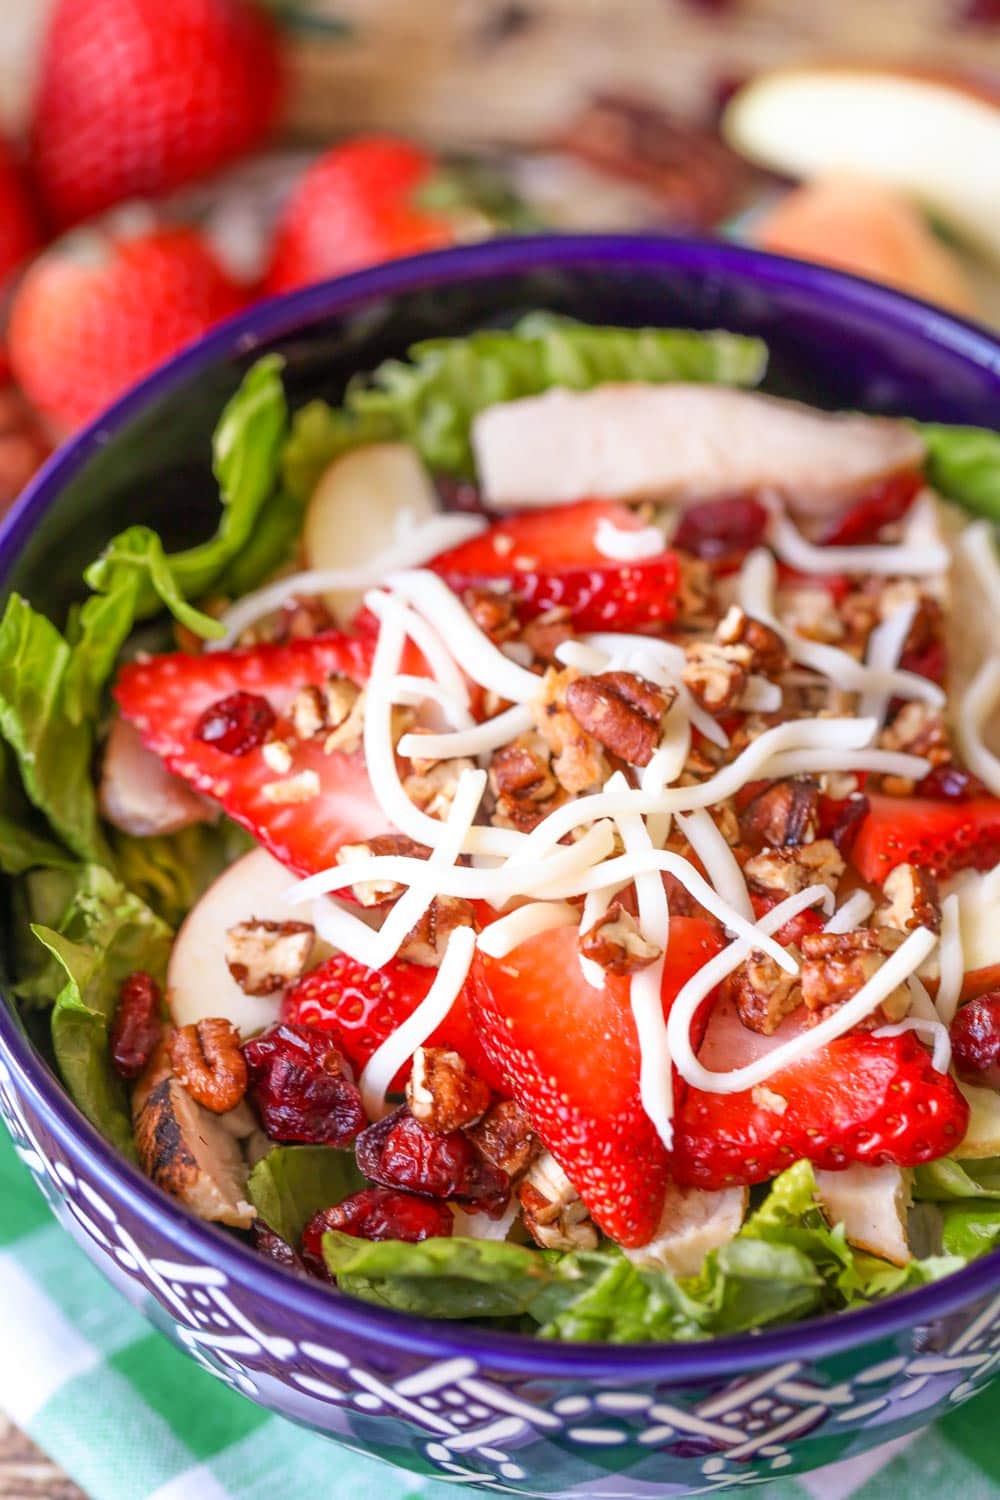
(553, 558)
(569, 1055)
(314, 802)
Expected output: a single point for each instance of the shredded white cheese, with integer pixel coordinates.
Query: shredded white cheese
(628, 546)
(413, 691)
(855, 911)
(595, 905)
(400, 1046)
(919, 561)
(897, 968)
(978, 704)
(977, 543)
(951, 961)
(885, 647)
(935, 1032)
(420, 544)
(720, 863)
(472, 740)
(430, 645)
(507, 933)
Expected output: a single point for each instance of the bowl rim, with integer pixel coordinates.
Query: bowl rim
(330, 1312)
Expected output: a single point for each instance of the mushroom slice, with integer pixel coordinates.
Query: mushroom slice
(139, 795)
(192, 1155)
(694, 1221)
(872, 1204)
(648, 442)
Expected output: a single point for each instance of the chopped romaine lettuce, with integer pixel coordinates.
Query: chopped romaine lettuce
(963, 463)
(171, 871)
(291, 1183)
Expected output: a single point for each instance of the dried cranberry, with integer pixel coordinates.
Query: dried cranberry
(882, 505)
(136, 1027)
(715, 529)
(266, 1242)
(975, 1040)
(840, 820)
(302, 1088)
(377, 1213)
(929, 660)
(236, 724)
(950, 783)
(398, 1152)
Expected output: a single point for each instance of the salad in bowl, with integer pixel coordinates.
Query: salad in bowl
(536, 863)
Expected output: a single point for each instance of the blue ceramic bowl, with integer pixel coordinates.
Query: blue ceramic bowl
(504, 1412)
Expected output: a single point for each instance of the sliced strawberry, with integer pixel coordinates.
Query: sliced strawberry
(862, 520)
(166, 697)
(862, 1098)
(940, 836)
(550, 558)
(793, 931)
(569, 1054)
(363, 1006)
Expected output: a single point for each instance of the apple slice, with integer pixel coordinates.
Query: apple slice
(934, 137)
(364, 502)
(199, 983)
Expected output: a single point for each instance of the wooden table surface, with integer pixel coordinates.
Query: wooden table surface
(26, 1474)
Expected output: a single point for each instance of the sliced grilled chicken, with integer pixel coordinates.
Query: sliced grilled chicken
(139, 795)
(645, 442)
(693, 1223)
(872, 1204)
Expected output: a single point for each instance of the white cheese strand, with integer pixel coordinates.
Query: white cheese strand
(756, 596)
(656, 1084)
(951, 961)
(978, 545)
(854, 913)
(581, 657)
(919, 561)
(340, 928)
(896, 969)
(720, 863)
(430, 645)
(508, 933)
(413, 691)
(594, 907)
(628, 546)
(477, 739)
(886, 762)
(474, 652)
(980, 700)
(761, 696)
(421, 543)
(401, 1044)
(885, 647)
(665, 766)
(935, 1033)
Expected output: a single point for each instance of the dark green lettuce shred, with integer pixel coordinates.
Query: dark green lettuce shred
(292, 1183)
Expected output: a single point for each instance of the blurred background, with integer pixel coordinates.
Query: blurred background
(162, 165)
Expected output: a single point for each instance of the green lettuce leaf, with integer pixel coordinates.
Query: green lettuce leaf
(940, 1181)
(963, 463)
(970, 1229)
(291, 1183)
(105, 934)
(171, 871)
(431, 398)
(439, 1278)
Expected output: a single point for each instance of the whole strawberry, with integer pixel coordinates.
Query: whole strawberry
(19, 229)
(136, 97)
(357, 205)
(97, 312)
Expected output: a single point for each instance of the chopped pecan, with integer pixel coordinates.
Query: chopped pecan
(434, 791)
(622, 711)
(836, 964)
(375, 892)
(716, 675)
(911, 899)
(858, 612)
(547, 631)
(769, 655)
(616, 944)
(810, 611)
(335, 710)
(578, 760)
(523, 784)
(265, 956)
(208, 1063)
(783, 815)
(919, 730)
(792, 869)
(505, 1137)
(554, 1214)
(425, 943)
(762, 993)
(495, 613)
(443, 1092)
(695, 602)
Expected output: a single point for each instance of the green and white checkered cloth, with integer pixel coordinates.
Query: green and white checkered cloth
(131, 1418)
